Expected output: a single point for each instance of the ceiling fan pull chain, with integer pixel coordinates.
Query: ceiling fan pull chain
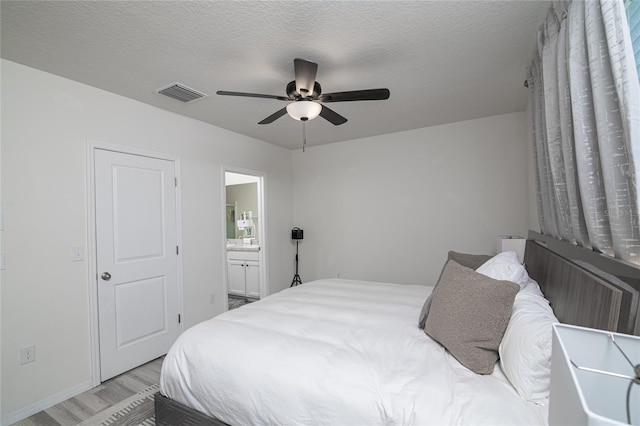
(304, 134)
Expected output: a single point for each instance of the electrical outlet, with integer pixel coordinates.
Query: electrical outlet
(212, 298)
(28, 354)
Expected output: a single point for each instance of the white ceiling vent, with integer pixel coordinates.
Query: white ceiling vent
(181, 92)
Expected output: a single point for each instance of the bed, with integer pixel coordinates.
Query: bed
(350, 352)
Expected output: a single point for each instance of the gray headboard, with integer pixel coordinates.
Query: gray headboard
(580, 292)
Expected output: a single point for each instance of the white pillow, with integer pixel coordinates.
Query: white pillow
(525, 350)
(505, 266)
(533, 288)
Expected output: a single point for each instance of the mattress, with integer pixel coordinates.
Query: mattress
(334, 352)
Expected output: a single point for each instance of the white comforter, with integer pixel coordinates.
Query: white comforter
(335, 352)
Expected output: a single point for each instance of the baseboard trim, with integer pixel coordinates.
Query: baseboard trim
(45, 403)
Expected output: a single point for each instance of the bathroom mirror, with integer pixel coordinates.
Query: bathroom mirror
(242, 199)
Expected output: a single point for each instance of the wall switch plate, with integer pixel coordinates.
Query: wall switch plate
(77, 254)
(28, 354)
(2, 262)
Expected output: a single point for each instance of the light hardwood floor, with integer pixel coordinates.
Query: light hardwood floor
(87, 404)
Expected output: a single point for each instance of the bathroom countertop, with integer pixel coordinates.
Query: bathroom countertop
(243, 247)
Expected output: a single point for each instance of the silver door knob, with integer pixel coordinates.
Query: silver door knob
(105, 276)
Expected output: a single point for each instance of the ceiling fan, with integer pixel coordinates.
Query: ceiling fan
(305, 96)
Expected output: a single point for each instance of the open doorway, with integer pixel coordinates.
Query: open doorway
(244, 237)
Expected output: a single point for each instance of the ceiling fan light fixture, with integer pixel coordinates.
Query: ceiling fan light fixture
(304, 109)
(304, 96)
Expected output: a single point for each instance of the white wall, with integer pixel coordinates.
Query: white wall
(384, 208)
(388, 208)
(46, 121)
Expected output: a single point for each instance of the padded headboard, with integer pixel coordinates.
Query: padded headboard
(581, 294)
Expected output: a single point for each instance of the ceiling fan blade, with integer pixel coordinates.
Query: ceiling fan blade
(252, 95)
(331, 116)
(273, 117)
(305, 72)
(355, 95)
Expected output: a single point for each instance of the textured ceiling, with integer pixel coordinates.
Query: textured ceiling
(443, 61)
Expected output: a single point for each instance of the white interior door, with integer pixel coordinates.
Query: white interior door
(137, 264)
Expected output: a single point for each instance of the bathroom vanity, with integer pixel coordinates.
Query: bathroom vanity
(243, 270)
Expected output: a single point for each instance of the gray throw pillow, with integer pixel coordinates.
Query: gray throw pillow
(469, 315)
(473, 261)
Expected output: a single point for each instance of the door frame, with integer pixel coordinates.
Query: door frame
(92, 261)
(262, 214)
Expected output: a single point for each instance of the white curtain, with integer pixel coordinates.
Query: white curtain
(585, 103)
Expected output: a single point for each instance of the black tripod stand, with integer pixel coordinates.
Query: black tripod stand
(296, 277)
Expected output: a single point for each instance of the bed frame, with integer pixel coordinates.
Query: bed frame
(583, 287)
(172, 413)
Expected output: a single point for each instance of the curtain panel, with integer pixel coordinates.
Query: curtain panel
(633, 16)
(584, 95)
